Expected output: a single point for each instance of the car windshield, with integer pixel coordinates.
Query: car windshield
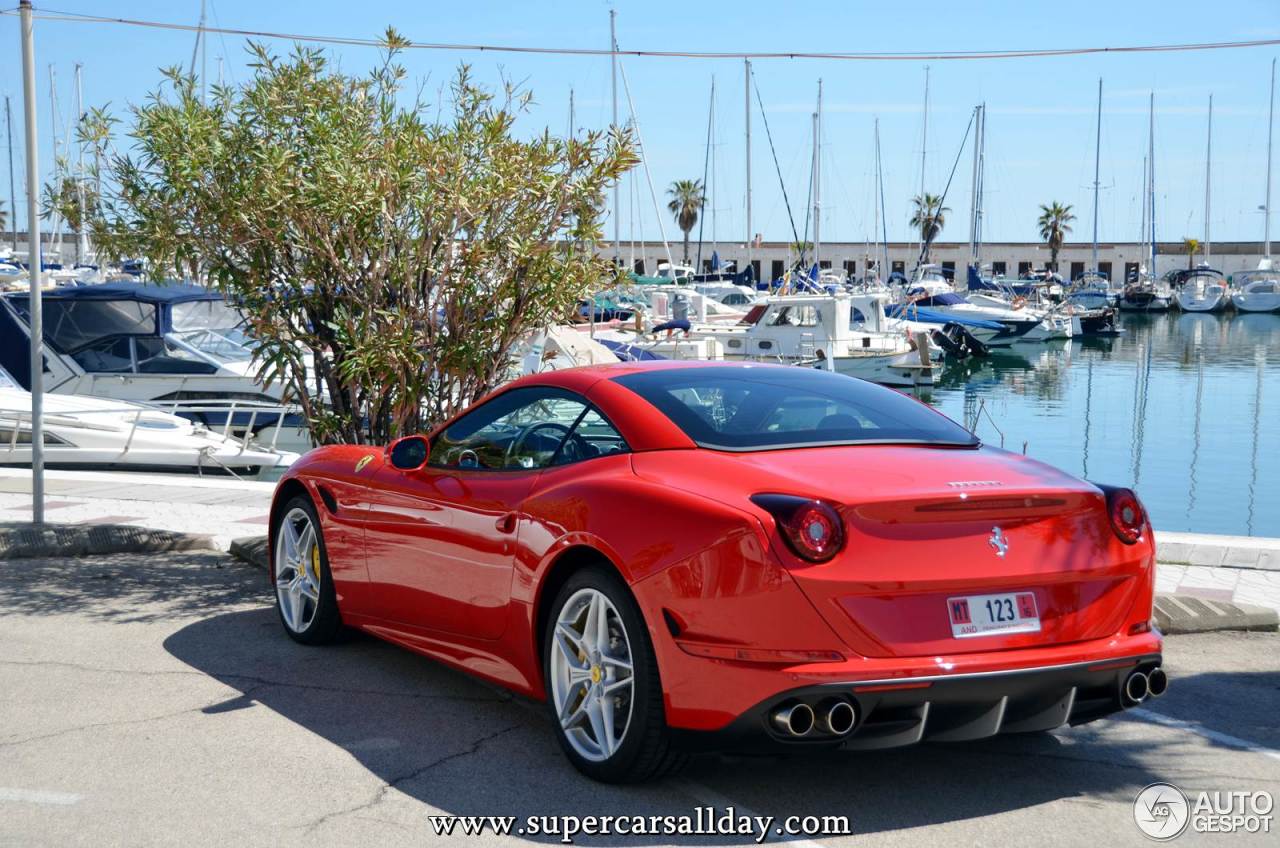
(762, 408)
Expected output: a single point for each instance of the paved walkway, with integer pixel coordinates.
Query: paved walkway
(230, 509)
(223, 508)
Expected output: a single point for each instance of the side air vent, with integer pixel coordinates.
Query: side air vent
(330, 502)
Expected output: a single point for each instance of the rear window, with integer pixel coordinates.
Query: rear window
(761, 408)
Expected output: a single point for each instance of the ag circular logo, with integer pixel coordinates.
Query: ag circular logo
(1161, 811)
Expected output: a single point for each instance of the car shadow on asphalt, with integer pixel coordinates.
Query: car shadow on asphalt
(127, 588)
(465, 748)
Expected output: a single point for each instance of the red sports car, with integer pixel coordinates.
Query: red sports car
(684, 556)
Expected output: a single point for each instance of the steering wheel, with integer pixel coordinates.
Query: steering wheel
(523, 436)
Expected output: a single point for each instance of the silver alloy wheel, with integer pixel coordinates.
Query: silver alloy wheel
(592, 681)
(297, 570)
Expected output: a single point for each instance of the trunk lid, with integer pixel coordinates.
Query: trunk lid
(921, 530)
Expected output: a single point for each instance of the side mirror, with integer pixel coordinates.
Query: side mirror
(409, 453)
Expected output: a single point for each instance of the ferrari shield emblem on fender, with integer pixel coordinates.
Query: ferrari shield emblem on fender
(998, 542)
(364, 460)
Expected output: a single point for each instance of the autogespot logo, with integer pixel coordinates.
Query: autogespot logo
(1161, 811)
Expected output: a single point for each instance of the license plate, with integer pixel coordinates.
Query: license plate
(983, 615)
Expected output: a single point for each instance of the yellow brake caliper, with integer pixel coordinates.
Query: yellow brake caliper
(315, 563)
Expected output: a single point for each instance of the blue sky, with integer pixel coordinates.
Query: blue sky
(1040, 111)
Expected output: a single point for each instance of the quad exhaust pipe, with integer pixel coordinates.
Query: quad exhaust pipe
(833, 717)
(1139, 686)
(837, 717)
(1136, 688)
(794, 720)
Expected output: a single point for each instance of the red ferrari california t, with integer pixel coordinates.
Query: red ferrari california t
(693, 556)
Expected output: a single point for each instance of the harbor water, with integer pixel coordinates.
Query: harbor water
(1184, 408)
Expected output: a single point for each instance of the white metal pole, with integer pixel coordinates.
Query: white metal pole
(613, 58)
(746, 90)
(34, 259)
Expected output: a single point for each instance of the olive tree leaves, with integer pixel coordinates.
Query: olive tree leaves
(386, 261)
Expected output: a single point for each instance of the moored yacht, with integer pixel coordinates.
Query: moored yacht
(86, 432)
(932, 300)
(1258, 290)
(1202, 289)
(175, 345)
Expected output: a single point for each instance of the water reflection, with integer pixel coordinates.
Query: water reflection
(1176, 407)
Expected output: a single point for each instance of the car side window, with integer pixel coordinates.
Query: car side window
(521, 429)
(594, 436)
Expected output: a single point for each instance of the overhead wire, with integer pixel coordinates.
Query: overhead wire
(942, 56)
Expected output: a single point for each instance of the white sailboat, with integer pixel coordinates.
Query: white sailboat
(1204, 289)
(1259, 290)
(1147, 293)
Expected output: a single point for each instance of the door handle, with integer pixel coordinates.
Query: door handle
(507, 523)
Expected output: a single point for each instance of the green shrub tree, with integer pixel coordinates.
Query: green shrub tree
(386, 259)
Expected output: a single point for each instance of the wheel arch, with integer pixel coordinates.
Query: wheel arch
(285, 492)
(566, 563)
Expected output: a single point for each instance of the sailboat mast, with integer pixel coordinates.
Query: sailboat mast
(746, 91)
(13, 186)
(973, 186)
(82, 237)
(1208, 165)
(817, 181)
(1266, 209)
(1097, 159)
(53, 131)
(875, 201)
(711, 123)
(613, 60)
(924, 148)
(884, 222)
(1151, 182)
(706, 171)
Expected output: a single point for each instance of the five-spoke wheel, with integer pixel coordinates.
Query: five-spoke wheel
(592, 681)
(300, 570)
(602, 681)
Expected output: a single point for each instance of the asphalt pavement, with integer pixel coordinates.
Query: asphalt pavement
(153, 699)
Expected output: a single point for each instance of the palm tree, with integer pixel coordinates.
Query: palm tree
(930, 217)
(1055, 222)
(687, 200)
(1193, 247)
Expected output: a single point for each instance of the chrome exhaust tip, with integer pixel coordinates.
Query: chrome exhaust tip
(1157, 682)
(795, 720)
(1136, 688)
(837, 717)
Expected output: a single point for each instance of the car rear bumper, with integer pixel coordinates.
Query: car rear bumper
(894, 712)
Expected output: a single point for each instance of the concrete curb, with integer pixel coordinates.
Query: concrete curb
(27, 541)
(1176, 614)
(251, 549)
(1257, 552)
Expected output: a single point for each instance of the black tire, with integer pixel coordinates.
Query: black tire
(325, 626)
(647, 751)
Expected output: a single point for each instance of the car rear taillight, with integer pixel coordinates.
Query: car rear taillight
(811, 528)
(1128, 518)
